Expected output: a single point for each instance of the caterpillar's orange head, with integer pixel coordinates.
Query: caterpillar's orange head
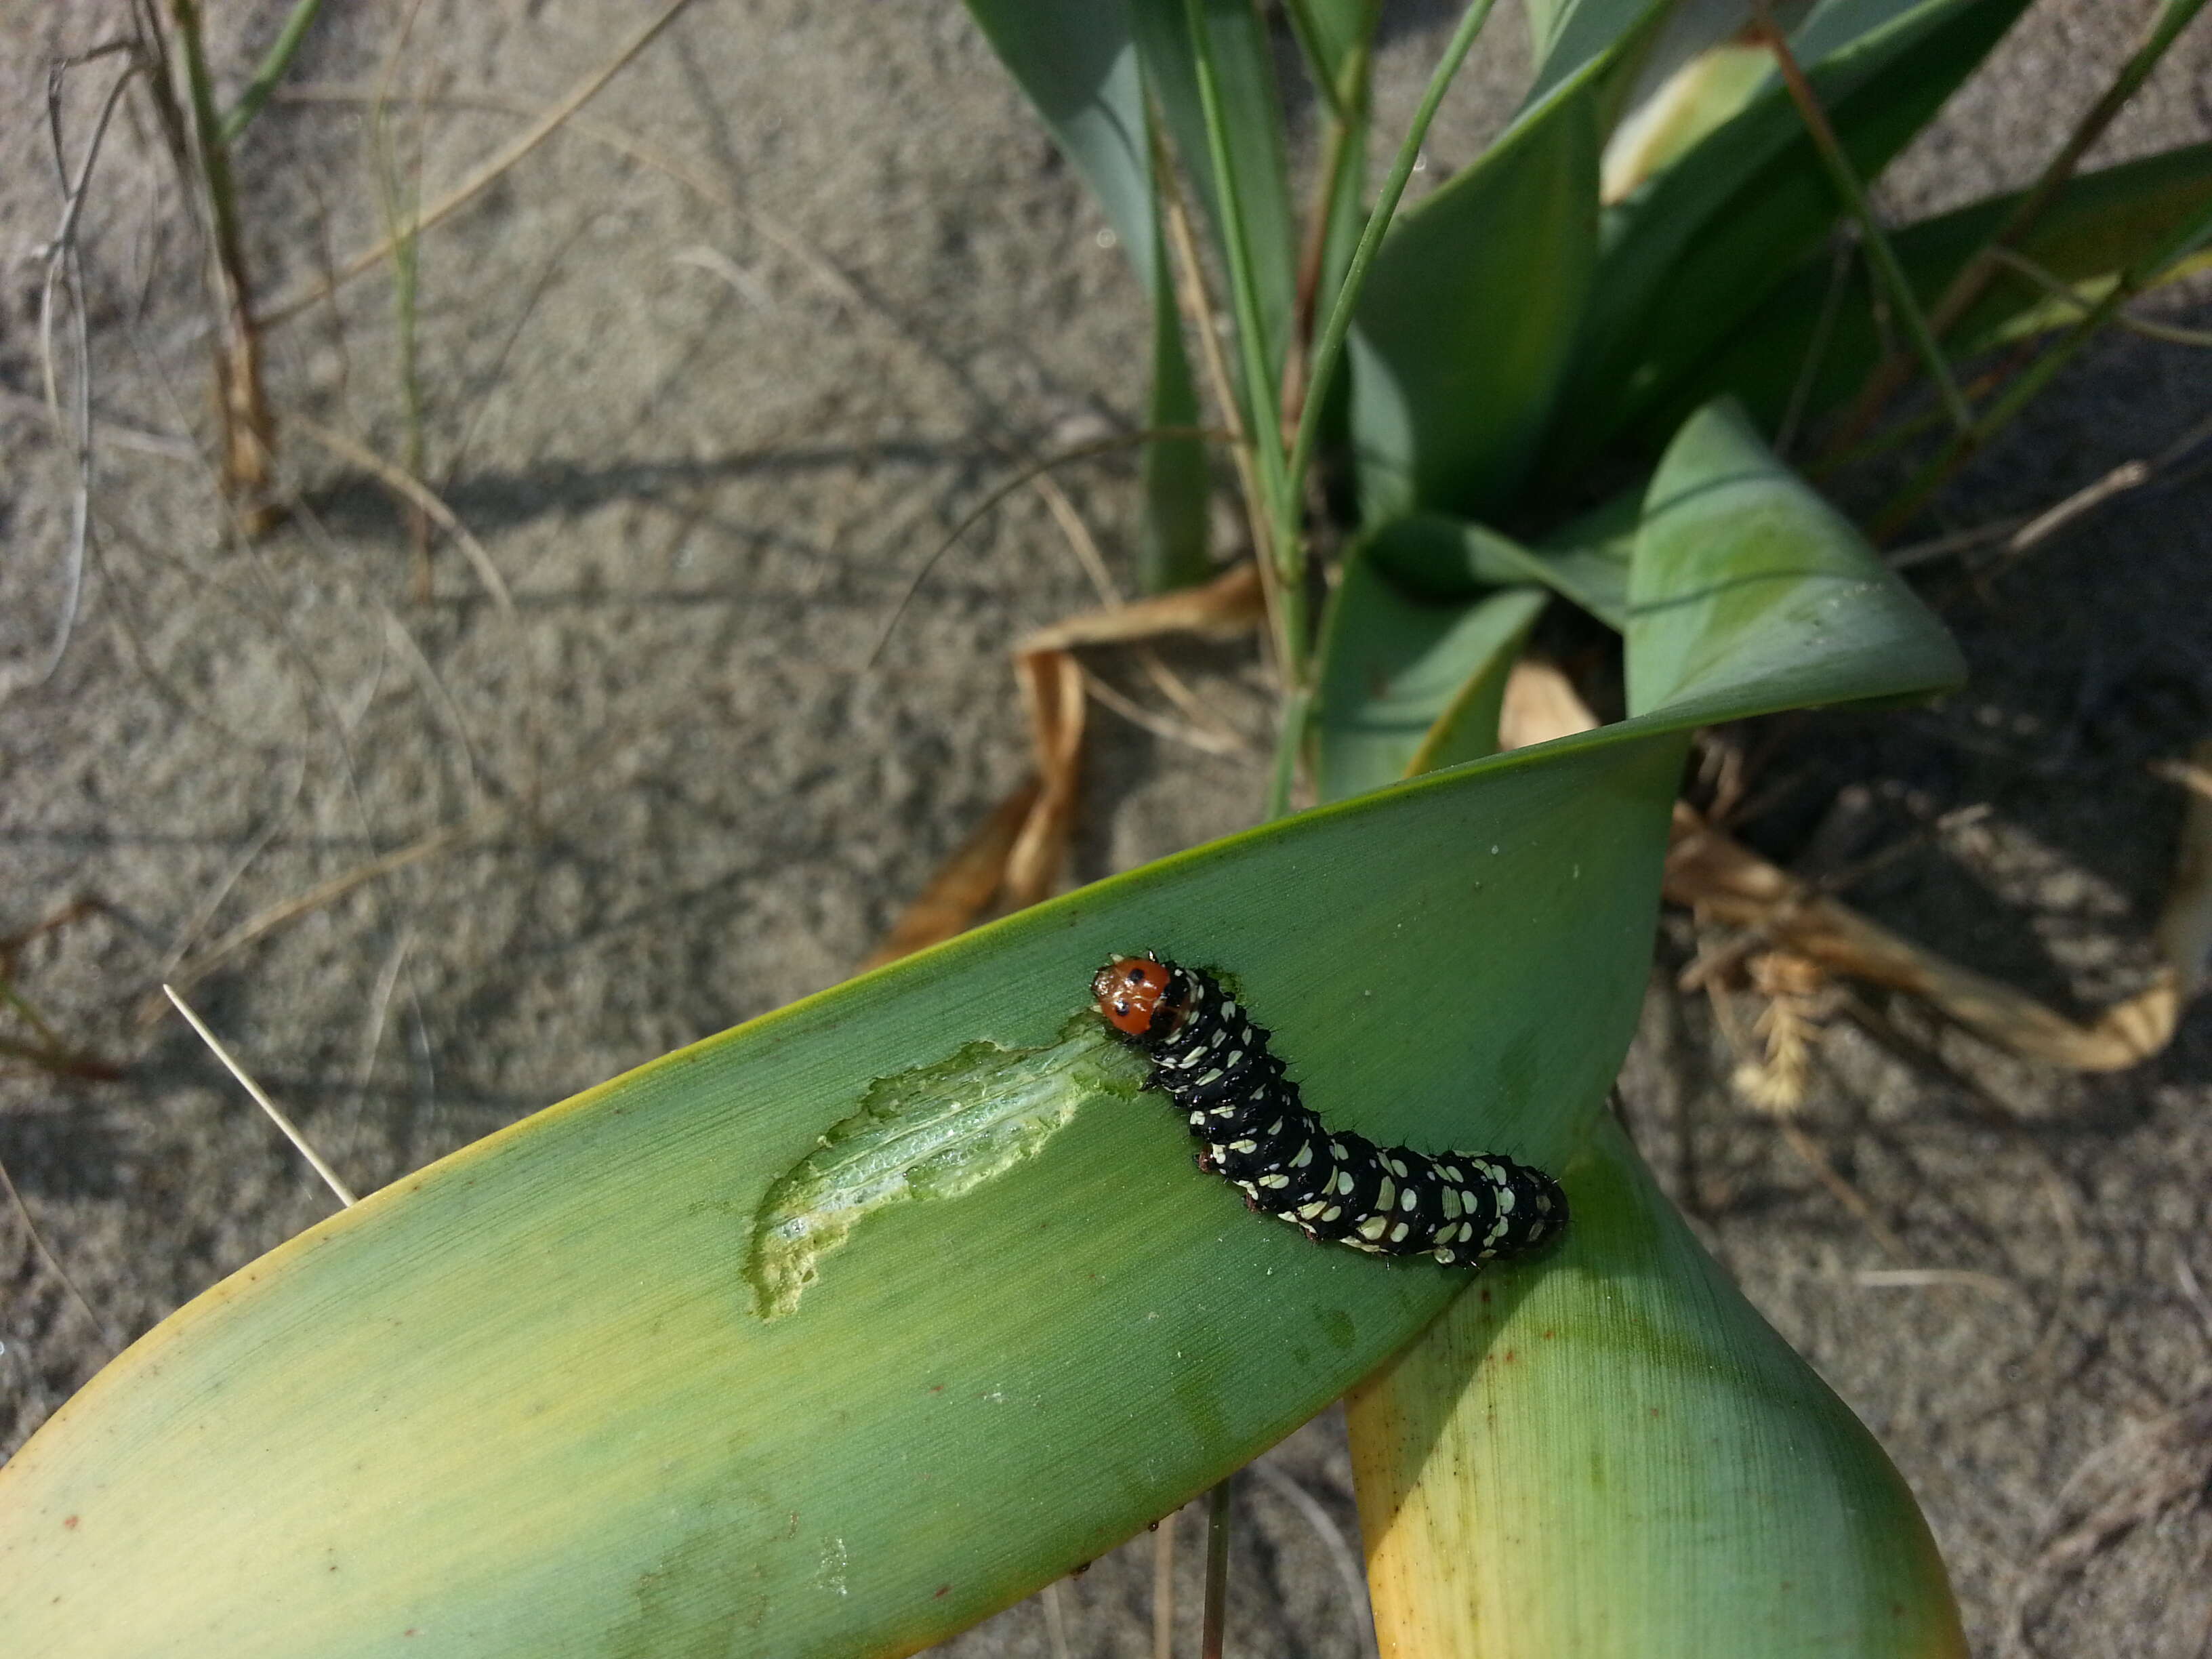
(1133, 994)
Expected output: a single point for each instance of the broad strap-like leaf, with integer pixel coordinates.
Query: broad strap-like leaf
(1393, 666)
(528, 1402)
(1687, 259)
(1569, 36)
(1456, 355)
(1077, 61)
(731, 1353)
(1749, 593)
(1608, 1453)
(1442, 559)
(1806, 335)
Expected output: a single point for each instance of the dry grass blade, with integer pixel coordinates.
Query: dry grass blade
(1541, 703)
(1889, 376)
(1226, 608)
(322, 893)
(623, 143)
(963, 887)
(1340, 1552)
(1052, 691)
(260, 1098)
(2122, 1485)
(1913, 1278)
(1725, 882)
(2184, 927)
(2019, 534)
(117, 433)
(1055, 1622)
(38, 1243)
(291, 304)
(1881, 258)
(1207, 739)
(64, 270)
(1018, 852)
(1163, 1555)
(1025, 479)
(419, 494)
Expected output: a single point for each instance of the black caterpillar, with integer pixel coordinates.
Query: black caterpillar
(1213, 1062)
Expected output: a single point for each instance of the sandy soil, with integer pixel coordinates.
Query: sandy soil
(704, 431)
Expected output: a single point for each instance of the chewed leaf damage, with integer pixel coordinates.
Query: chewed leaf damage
(934, 1132)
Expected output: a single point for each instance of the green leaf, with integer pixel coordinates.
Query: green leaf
(2101, 224)
(1687, 257)
(1334, 35)
(1238, 38)
(1178, 484)
(1441, 559)
(622, 1379)
(1077, 61)
(1744, 577)
(1457, 355)
(1605, 1451)
(1392, 666)
(1712, 1499)
(524, 1402)
(1568, 36)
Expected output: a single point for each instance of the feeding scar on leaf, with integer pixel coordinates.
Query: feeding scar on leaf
(931, 1131)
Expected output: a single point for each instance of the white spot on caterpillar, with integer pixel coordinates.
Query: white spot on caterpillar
(1344, 1181)
(1386, 1196)
(1304, 1156)
(1450, 1195)
(1373, 1226)
(1398, 1233)
(1276, 1181)
(1405, 1200)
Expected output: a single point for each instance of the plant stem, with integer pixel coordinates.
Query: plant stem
(270, 72)
(249, 428)
(1290, 542)
(1216, 1571)
(1880, 255)
(1973, 279)
(1338, 327)
(1290, 737)
(2142, 275)
(1244, 296)
(1342, 150)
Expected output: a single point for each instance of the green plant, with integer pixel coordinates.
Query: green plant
(834, 1332)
